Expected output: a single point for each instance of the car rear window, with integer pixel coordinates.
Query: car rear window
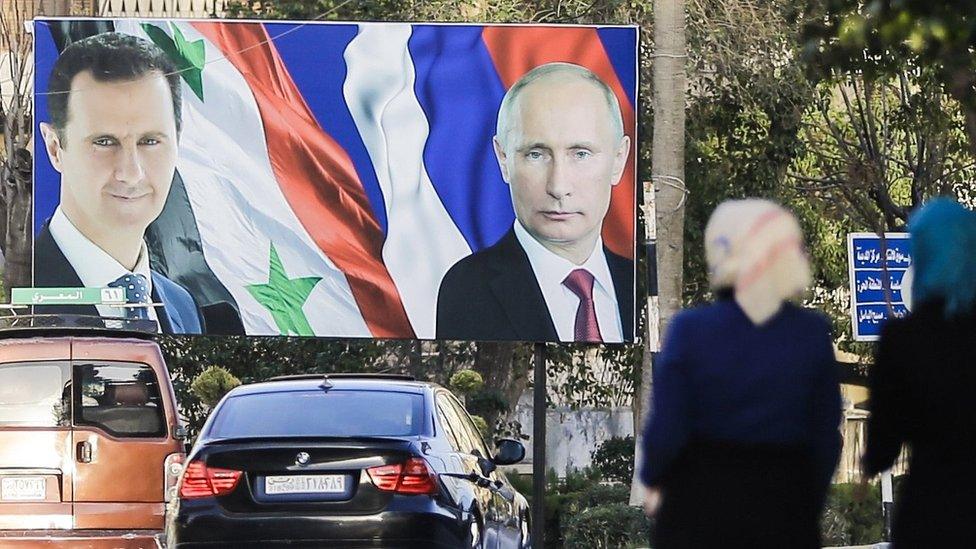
(334, 413)
(35, 394)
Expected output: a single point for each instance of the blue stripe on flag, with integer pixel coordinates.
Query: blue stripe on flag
(314, 57)
(47, 181)
(621, 47)
(459, 90)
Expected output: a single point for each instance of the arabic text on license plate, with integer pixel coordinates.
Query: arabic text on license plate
(305, 484)
(22, 488)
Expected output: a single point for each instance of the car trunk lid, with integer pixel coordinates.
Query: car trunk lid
(328, 474)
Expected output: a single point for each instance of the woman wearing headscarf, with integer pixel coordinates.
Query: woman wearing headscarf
(923, 385)
(743, 433)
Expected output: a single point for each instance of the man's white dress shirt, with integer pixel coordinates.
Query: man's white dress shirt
(550, 271)
(95, 267)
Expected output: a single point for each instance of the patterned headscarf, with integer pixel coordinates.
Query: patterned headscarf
(755, 247)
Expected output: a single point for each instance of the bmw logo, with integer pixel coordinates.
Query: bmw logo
(302, 458)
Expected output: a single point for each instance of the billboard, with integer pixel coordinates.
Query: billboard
(340, 180)
(880, 275)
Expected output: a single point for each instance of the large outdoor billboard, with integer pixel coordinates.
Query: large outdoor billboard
(341, 180)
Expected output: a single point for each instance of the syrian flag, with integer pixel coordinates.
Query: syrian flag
(335, 172)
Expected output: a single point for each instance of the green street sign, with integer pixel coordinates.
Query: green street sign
(67, 296)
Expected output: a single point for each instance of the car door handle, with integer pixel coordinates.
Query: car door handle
(84, 452)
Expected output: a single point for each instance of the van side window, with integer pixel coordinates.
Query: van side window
(35, 394)
(122, 399)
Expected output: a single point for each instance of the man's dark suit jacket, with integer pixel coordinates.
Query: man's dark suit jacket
(493, 295)
(53, 270)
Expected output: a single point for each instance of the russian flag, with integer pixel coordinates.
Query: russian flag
(357, 158)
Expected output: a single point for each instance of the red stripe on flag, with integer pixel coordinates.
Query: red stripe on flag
(517, 50)
(316, 176)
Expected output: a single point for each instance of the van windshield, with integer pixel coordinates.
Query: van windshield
(35, 394)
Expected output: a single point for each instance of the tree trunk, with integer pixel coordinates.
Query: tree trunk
(504, 371)
(667, 172)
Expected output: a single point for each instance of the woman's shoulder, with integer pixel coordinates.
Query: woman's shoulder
(814, 317)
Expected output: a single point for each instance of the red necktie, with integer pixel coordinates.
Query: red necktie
(580, 282)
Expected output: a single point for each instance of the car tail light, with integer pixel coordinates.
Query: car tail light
(200, 481)
(412, 477)
(172, 468)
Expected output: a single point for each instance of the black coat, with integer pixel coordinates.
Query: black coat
(922, 387)
(493, 295)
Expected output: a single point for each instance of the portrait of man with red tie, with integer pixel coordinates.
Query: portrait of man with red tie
(561, 147)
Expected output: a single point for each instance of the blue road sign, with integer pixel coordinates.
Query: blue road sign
(874, 296)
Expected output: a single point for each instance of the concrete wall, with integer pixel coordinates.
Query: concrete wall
(572, 435)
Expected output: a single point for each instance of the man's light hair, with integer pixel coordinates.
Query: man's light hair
(549, 70)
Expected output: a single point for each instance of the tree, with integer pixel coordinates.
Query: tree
(667, 173)
(884, 37)
(15, 156)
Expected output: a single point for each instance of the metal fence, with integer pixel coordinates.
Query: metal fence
(160, 8)
(849, 468)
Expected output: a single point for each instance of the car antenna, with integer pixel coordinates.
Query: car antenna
(326, 384)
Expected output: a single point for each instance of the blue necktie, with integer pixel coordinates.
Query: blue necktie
(136, 291)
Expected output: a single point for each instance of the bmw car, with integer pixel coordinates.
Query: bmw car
(346, 461)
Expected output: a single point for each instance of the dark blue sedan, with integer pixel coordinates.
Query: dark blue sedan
(346, 461)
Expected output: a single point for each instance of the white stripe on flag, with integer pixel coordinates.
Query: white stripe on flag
(422, 241)
(239, 208)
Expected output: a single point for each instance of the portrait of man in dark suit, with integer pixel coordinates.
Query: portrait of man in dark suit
(115, 109)
(561, 147)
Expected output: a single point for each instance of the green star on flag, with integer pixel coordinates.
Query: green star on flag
(284, 297)
(189, 57)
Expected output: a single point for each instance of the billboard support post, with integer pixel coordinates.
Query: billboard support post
(539, 446)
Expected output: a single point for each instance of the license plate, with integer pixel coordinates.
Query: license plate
(23, 488)
(305, 484)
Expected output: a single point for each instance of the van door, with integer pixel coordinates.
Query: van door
(121, 443)
(35, 445)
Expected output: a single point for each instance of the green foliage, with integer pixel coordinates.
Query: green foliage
(253, 359)
(466, 382)
(481, 424)
(598, 494)
(212, 384)
(608, 526)
(614, 458)
(848, 522)
(584, 376)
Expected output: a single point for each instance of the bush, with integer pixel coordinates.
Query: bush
(212, 384)
(614, 458)
(608, 526)
(847, 522)
(600, 494)
(566, 498)
(466, 382)
(481, 424)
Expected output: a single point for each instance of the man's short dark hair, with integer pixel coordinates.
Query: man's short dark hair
(110, 57)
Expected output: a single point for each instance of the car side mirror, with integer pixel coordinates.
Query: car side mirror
(509, 452)
(180, 433)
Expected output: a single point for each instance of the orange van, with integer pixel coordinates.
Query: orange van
(91, 447)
